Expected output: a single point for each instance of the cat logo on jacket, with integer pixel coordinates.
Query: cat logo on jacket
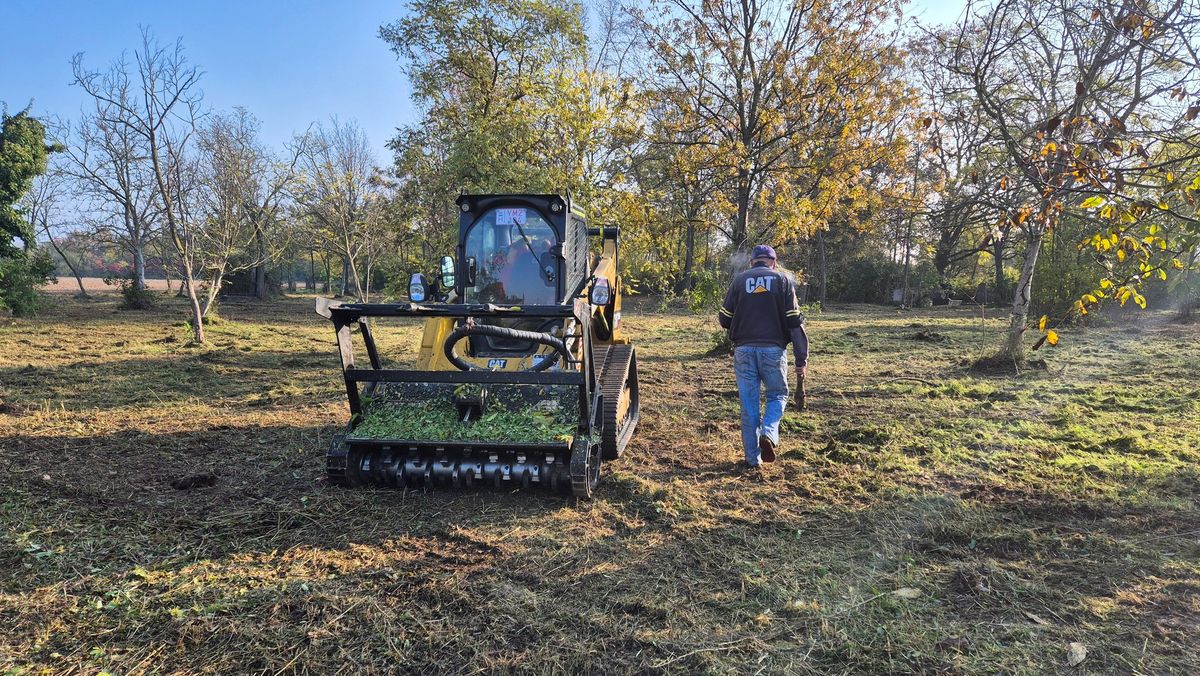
(759, 284)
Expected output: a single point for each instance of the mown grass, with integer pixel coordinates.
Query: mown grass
(1030, 511)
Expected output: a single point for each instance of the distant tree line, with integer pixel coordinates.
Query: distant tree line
(1039, 155)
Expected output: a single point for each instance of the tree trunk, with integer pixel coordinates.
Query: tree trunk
(741, 227)
(904, 300)
(139, 265)
(197, 314)
(78, 280)
(822, 270)
(689, 255)
(311, 283)
(998, 262)
(358, 289)
(292, 277)
(346, 276)
(1013, 349)
(258, 274)
(211, 297)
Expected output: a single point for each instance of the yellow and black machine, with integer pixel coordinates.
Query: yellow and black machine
(524, 377)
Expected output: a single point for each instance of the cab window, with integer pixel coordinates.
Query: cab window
(507, 244)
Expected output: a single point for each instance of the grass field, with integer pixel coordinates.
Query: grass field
(921, 518)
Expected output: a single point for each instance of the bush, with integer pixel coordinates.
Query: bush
(133, 296)
(19, 278)
(708, 291)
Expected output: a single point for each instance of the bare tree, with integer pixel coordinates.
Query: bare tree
(159, 107)
(244, 192)
(43, 206)
(339, 192)
(108, 163)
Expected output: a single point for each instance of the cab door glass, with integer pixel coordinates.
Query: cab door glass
(509, 245)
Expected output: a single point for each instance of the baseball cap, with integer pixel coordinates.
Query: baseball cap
(762, 251)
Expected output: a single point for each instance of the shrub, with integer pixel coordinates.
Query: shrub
(20, 276)
(133, 296)
(708, 291)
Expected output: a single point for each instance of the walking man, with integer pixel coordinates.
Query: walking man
(762, 317)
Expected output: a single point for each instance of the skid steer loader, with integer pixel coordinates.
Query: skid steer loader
(524, 377)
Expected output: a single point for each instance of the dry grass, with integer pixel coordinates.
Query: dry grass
(1031, 512)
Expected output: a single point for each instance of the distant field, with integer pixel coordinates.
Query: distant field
(66, 284)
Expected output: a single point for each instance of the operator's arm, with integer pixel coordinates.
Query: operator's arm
(800, 346)
(794, 321)
(725, 316)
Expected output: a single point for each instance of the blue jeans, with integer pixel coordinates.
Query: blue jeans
(759, 368)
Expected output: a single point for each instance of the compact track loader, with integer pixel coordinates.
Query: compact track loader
(524, 377)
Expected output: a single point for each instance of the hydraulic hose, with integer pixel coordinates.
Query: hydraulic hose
(560, 348)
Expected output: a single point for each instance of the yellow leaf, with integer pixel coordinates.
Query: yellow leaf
(1140, 300)
(1105, 283)
(1121, 255)
(1162, 274)
(1052, 338)
(1042, 323)
(1090, 298)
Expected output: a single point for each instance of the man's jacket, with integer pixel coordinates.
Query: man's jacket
(760, 308)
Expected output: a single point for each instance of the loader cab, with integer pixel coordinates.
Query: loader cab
(519, 250)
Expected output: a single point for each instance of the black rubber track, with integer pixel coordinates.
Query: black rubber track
(618, 371)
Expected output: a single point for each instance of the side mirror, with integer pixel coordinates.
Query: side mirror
(447, 272)
(470, 271)
(418, 290)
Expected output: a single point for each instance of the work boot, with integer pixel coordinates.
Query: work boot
(767, 448)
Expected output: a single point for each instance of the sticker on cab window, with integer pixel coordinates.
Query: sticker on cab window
(510, 217)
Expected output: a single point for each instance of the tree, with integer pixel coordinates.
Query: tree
(339, 193)
(1084, 98)
(159, 110)
(41, 205)
(243, 194)
(778, 98)
(511, 101)
(109, 164)
(23, 157)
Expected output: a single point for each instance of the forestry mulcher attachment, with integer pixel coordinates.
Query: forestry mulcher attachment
(523, 379)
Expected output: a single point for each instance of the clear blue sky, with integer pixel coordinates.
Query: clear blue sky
(289, 62)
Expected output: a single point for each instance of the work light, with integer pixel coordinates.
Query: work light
(601, 293)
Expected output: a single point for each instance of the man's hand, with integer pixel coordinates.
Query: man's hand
(801, 374)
